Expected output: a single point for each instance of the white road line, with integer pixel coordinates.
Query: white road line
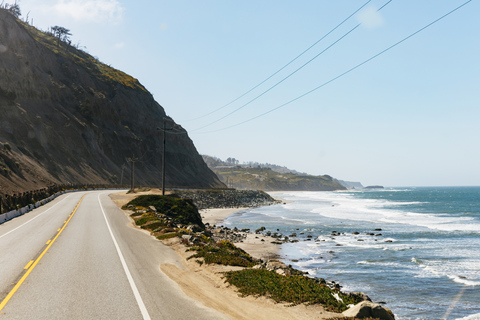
(140, 303)
(3, 235)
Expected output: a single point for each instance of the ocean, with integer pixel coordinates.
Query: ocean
(415, 250)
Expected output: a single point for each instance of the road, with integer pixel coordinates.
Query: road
(87, 265)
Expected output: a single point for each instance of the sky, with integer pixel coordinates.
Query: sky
(408, 117)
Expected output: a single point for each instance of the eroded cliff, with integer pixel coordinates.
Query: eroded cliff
(67, 118)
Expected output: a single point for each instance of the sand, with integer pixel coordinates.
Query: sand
(217, 216)
(205, 283)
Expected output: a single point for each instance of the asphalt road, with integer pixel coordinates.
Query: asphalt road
(87, 265)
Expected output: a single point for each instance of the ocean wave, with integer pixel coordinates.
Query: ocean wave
(382, 264)
(366, 213)
(414, 260)
(442, 269)
(347, 206)
(471, 317)
(465, 281)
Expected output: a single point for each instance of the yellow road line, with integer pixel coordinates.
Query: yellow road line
(28, 265)
(48, 242)
(10, 295)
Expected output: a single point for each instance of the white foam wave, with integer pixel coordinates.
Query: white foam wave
(449, 270)
(470, 317)
(465, 281)
(344, 206)
(382, 264)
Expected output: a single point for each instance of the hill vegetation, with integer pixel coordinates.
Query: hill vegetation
(268, 177)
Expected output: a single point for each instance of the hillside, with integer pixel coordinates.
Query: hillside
(270, 177)
(66, 118)
(268, 180)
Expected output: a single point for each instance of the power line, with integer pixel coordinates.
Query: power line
(344, 73)
(290, 62)
(288, 76)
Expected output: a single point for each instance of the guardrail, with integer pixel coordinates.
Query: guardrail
(15, 205)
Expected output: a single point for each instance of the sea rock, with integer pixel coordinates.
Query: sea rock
(369, 309)
(260, 230)
(274, 264)
(362, 296)
(187, 237)
(193, 228)
(227, 198)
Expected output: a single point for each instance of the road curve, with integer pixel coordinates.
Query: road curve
(89, 265)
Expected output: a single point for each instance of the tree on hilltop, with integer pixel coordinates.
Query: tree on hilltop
(14, 9)
(232, 161)
(61, 33)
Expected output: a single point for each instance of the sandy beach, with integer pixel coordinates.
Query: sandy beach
(205, 283)
(217, 216)
(253, 244)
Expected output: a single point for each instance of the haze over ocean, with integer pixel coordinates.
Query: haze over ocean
(424, 263)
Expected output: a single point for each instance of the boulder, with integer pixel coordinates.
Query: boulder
(367, 309)
(274, 264)
(186, 237)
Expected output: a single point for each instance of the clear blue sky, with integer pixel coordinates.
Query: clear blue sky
(410, 117)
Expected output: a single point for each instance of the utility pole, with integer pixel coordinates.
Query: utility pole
(121, 177)
(132, 180)
(163, 157)
(163, 154)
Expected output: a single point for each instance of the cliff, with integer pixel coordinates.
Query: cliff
(65, 117)
(268, 180)
(269, 177)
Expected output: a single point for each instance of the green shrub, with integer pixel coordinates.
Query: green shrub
(224, 253)
(291, 289)
(169, 235)
(7, 146)
(182, 210)
(144, 219)
(153, 225)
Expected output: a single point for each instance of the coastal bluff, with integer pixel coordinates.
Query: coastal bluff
(67, 118)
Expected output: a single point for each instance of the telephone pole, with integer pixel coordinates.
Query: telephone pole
(132, 164)
(163, 157)
(121, 177)
(164, 130)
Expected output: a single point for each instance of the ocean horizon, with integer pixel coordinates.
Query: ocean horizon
(415, 250)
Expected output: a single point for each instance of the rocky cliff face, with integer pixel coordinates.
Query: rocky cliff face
(67, 118)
